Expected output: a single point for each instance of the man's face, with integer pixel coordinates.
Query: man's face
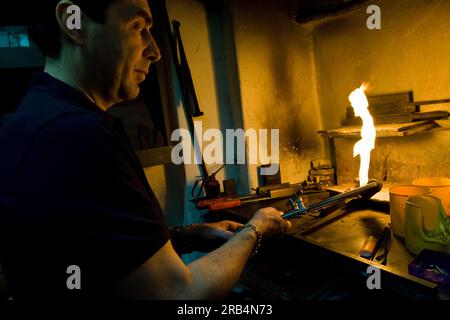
(121, 50)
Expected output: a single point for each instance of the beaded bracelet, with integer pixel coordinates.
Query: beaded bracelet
(258, 237)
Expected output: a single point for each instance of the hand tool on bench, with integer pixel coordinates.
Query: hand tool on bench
(385, 240)
(226, 202)
(205, 203)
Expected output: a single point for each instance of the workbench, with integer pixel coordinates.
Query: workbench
(319, 258)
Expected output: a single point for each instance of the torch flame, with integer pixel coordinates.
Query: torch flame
(368, 133)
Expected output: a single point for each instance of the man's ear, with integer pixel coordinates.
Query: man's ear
(68, 17)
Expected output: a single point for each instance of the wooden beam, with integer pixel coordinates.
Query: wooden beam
(383, 130)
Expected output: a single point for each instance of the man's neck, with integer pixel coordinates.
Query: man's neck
(55, 69)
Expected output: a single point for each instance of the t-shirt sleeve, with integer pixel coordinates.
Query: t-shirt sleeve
(86, 193)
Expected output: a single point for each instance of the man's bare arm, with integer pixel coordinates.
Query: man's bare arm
(165, 276)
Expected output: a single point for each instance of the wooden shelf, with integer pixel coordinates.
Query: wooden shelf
(383, 130)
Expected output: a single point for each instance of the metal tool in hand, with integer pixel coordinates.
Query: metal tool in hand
(299, 209)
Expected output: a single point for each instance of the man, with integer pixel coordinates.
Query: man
(72, 192)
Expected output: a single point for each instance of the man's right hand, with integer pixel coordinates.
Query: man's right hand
(165, 276)
(270, 223)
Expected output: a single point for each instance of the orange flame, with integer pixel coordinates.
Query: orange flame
(368, 133)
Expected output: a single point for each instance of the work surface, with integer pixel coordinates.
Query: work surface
(345, 230)
(339, 235)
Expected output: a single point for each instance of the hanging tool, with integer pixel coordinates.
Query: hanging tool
(187, 85)
(188, 92)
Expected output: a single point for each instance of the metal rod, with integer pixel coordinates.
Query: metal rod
(366, 191)
(423, 103)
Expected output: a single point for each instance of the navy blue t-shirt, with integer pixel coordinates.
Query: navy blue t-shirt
(72, 192)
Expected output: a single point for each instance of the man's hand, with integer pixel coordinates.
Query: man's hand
(165, 276)
(270, 222)
(209, 236)
(206, 237)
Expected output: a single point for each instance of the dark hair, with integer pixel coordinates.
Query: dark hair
(44, 30)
